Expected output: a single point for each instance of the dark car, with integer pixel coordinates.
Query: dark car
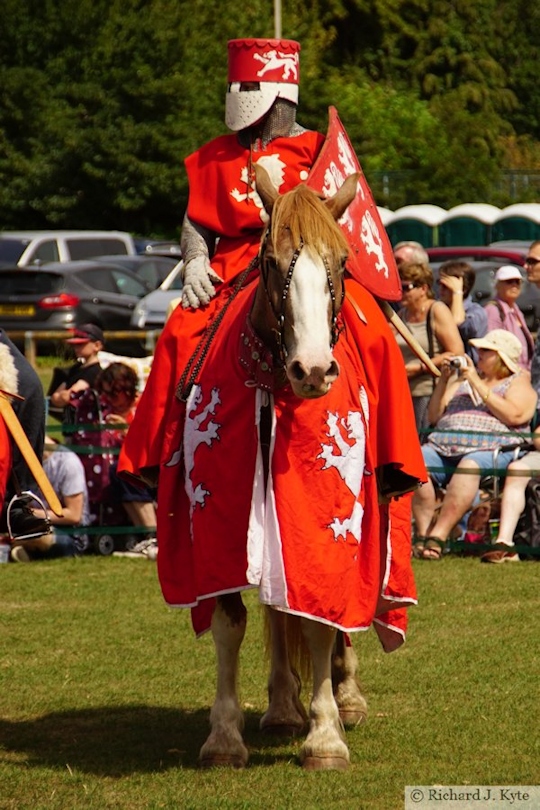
(485, 262)
(151, 269)
(61, 295)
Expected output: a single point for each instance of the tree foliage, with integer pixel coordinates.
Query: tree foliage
(101, 100)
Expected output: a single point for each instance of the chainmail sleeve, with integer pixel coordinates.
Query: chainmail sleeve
(196, 241)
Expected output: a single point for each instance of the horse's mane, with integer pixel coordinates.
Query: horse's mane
(305, 215)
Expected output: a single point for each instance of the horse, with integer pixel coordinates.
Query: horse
(296, 314)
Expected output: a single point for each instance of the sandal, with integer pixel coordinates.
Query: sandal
(433, 548)
(418, 545)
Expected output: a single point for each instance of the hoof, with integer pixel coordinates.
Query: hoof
(325, 764)
(352, 717)
(223, 761)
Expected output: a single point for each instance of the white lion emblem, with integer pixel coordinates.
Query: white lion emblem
(370, 236)
(274, 60)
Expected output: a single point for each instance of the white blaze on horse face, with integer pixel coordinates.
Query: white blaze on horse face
(310, 365)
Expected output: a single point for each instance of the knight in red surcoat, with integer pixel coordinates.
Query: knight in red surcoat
(221, 234)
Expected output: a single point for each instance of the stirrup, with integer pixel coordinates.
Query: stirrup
(29, 526)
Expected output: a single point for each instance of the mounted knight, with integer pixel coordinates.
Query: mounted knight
(217, 336)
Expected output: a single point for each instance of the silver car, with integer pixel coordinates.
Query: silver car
(151, 311)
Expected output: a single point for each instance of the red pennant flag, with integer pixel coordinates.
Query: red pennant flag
(371, 259)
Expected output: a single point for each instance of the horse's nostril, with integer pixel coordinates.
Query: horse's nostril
(333, 369)
(297, 371)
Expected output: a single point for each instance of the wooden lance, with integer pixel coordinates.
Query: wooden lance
(408, 337)
(21, 440)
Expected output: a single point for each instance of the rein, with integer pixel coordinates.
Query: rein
(280, 315)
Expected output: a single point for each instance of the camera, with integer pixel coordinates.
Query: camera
(458, 363)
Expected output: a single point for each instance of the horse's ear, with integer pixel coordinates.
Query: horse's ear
(265, 188)
(339, 203)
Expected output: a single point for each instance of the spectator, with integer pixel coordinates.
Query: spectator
(504, 313)
(30, 411)
(432, 325)
(532, 268)
(18, 377)
(410, 252)
(474, 412)
(8, 382)
(513, 498)
(87, 342)
(65, 471)
(456, 283)
(518, 475)
(117, 385)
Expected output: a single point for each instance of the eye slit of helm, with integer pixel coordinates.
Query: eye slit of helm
(248, 86)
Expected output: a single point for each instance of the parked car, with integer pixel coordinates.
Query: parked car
(159, 247)
(151, 311)
(151, 269)
(485, 262)
(63, 295)
(503, 252)
(27, 248)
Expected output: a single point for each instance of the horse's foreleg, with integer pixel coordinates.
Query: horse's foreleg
(324, 747)
(285, 714)
(224, 745)
(351, 703)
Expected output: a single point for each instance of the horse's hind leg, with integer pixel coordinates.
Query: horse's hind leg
(350, 701)
(224, 745)
(285, 715)
(324, 747)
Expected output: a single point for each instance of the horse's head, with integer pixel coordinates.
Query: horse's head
(302, 260)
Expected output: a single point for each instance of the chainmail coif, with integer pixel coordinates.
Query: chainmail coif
(279, 122)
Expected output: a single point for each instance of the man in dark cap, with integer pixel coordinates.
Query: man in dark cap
(87, 341)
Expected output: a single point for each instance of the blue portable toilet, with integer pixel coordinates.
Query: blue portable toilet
(468, 224)
(416, 223)
(518, 221)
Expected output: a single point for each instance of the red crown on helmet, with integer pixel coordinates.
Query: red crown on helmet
(264, 60)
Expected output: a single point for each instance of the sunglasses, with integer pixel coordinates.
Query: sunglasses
(531, 260)
(512, 281)
(408, 287)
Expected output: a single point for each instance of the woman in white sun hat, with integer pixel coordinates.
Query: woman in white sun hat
(504, 313)
(473, 413)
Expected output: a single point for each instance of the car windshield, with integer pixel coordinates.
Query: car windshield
(23, 282)
(11, 250)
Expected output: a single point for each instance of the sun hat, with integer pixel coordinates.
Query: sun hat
(506, 272)
(507, 346)
(86, 333)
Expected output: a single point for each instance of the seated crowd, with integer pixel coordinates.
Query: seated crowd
(475, 420)
(96, 405)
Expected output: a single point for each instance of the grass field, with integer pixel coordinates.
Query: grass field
(105, 694)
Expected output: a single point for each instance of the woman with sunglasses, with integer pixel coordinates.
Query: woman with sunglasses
(433, 326)
(504, 313)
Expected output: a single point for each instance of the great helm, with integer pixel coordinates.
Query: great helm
(272, 66)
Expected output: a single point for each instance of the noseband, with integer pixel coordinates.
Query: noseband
(280, 315)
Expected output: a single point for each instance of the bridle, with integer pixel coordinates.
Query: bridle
(279, 314)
